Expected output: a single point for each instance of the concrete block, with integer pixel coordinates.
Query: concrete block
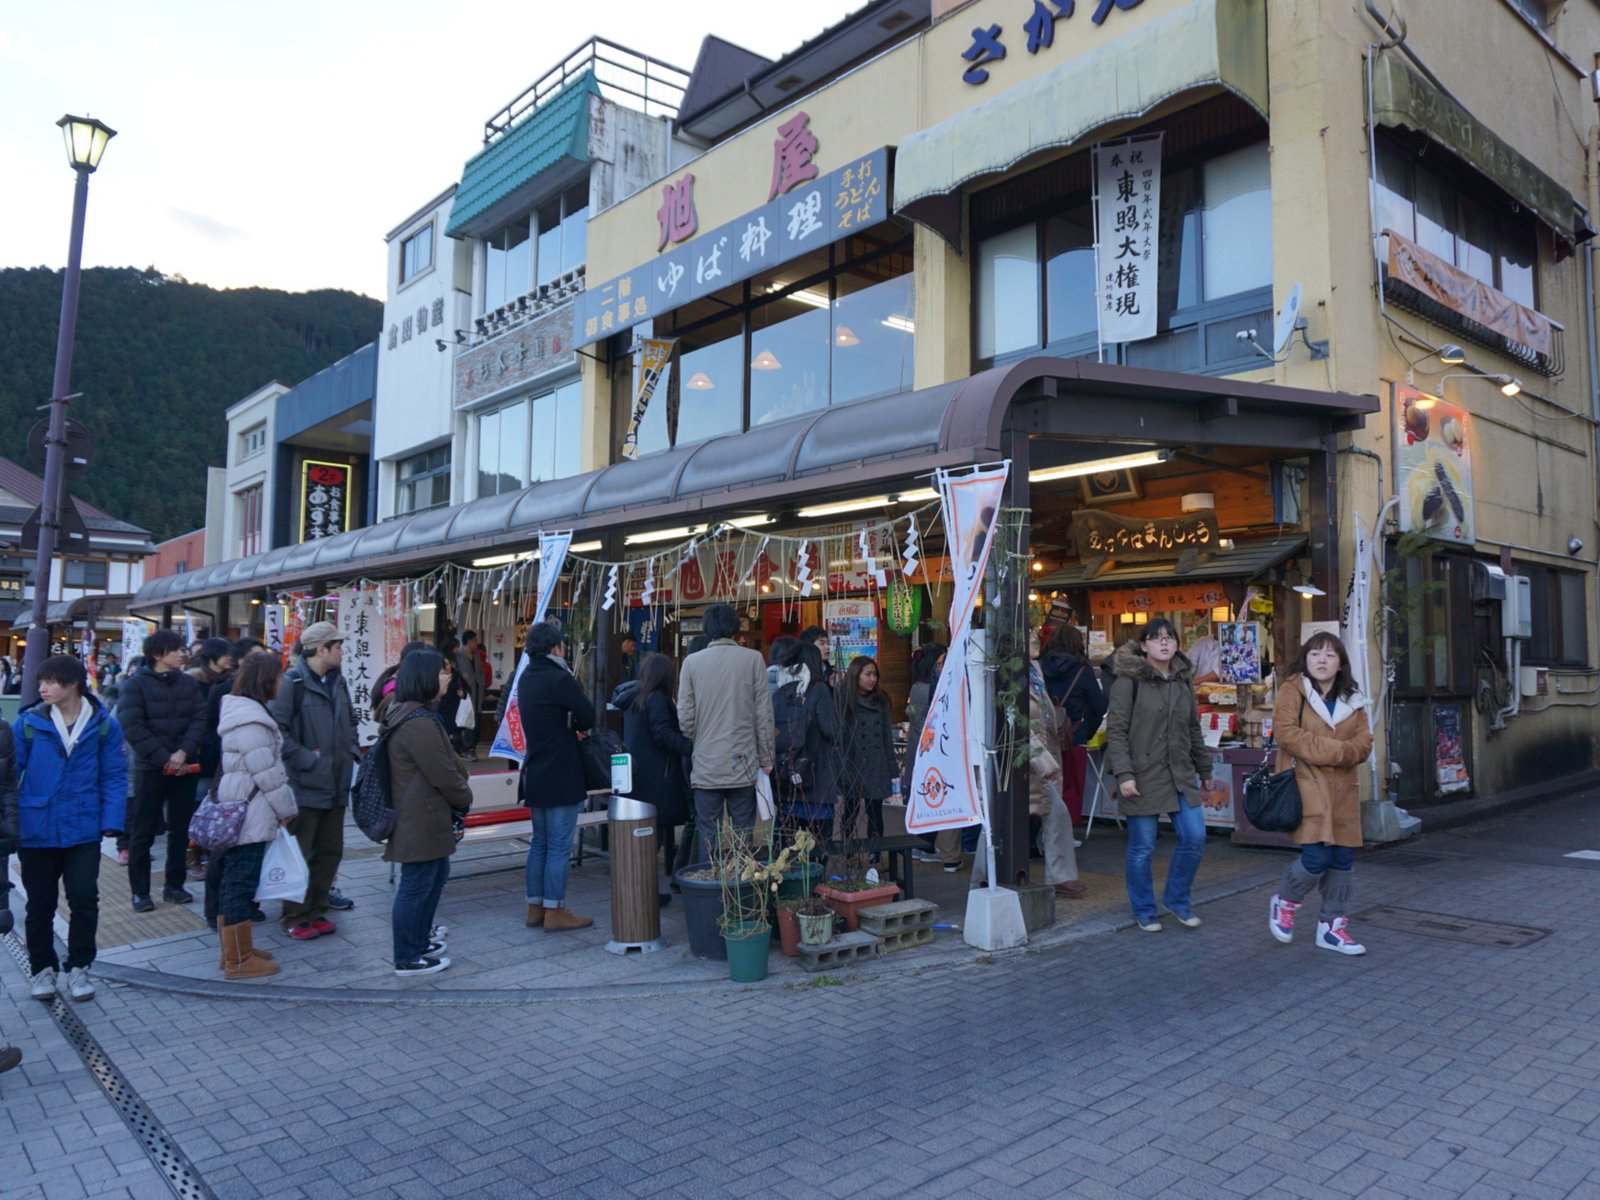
(906, 939)
(1038, 903)
(994, 919)
(899, 917)
(844, 949)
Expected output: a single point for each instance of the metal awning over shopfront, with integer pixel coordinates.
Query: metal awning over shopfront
(852, 450)
(107, 609)
(1208, 44)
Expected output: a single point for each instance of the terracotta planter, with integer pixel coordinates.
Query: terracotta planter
(789, 932)
(849, 904)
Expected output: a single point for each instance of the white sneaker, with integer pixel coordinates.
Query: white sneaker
(1335, 935)
(78, 985)
(44, 985)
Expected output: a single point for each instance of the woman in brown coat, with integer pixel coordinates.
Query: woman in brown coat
(1320, 725)
(1155, 749)
(429, 792)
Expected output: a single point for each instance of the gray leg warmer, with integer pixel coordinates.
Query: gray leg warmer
(1297, 882)
(1336, 892)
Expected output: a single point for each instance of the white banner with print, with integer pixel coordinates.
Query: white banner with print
(1127, 180)
(361, 626)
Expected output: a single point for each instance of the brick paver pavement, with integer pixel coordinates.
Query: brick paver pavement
(1208, 1064)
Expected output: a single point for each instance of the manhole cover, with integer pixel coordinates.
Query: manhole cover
(1401, 858)
(1452, 928)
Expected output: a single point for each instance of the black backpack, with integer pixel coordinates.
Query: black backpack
(374, 806)
(794, 766)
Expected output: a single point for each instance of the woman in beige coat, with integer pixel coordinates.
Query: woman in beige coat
(1320, 725)
(252, 769)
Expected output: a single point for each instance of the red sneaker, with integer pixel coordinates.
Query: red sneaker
(304, 933)
(323, 925)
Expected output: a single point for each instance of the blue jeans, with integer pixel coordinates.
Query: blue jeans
(415, 901)
(1190, 823)
(549, 853)
(1317, 857)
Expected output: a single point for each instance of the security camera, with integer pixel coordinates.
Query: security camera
(1574, 545)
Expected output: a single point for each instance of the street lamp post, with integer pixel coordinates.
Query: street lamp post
(86, 141)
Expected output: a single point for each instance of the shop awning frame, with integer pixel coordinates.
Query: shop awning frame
(1249, 558)
(852, 450)
(1207, 44)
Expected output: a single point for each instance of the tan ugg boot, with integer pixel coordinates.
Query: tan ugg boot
(242, 964)
(557, 919)
(535, 915)
(222, 954)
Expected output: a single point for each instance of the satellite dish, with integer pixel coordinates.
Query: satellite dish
(1284, 329)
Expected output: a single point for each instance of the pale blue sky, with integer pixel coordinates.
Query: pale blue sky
(275, 144)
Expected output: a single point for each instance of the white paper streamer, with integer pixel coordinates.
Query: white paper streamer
(611, 589)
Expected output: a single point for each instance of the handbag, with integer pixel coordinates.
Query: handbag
(596, 765)
(1272, 798)
(216, 824)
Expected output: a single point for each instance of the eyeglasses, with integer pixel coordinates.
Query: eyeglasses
(1162, 637)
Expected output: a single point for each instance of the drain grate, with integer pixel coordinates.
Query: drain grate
(174, 1166)
(1452, 928)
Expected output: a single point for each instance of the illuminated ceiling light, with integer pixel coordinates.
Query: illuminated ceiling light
(500, 560)
(1309, 589)
(429, 607)
(1508, 385)
(1033, 597)
(845, 336)
(1224, 543)
(1126, 618)
(903, 324)
(1037, 565)
(751, 522)
(915, 496)
(844, 506)
(662, 535)
(255, 600)
(583, 547)
(699, 381)
(765, 361)
(1148, 458)
(814, 299)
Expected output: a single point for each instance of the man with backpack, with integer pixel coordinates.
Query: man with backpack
(320, 751)
(163, 716)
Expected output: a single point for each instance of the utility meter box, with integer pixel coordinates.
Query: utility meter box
(1516, 610)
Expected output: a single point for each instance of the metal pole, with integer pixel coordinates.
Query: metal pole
(38, 645)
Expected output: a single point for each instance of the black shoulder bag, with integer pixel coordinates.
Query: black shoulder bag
(1272, 798)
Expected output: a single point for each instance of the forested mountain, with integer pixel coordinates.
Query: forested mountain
(158, 361)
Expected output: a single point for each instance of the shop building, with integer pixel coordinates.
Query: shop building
(897, 272)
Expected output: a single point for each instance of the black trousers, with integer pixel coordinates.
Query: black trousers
(241, 875)
(156, 795)
(46, 871)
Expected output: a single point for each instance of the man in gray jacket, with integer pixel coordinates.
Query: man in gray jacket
(725, 708)
(318, 721)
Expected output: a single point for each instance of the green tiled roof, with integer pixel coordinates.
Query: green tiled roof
(558, 129)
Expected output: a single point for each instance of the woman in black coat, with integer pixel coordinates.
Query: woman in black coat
(807, 723)
(555, 713)
(661, 754)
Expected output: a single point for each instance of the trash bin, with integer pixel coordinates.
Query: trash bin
(635, 902)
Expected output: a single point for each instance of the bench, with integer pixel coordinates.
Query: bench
(496, 815)
(897, 850)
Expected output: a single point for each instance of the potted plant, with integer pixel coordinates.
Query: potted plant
(746, 886)
(815, 921)
(789, 924)
(851, 884)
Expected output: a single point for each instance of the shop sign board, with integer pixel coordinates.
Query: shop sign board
(272, 627)
(1159, 598)
(813, 214)
(1128, 207)
(1102, 536)
(1239, 645)
(324, 499)
(1038, 28)
(1434, 463)
(515, 357)
(1449, 750)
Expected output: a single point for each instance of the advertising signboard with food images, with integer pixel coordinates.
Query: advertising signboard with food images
(1434, 462)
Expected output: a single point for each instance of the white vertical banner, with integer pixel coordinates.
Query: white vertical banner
(190, 637)
(361, 626)
(946, 787)
(1127, 180)
(509, 740)
(272, 626)
(134, 631)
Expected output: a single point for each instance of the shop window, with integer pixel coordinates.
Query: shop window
(1431, 636)
(247, 508)
(710, 382)
(557, 428)
(416, 254)
(1560, 617)
(84, 573)
(1035, 284)
(422, 481)
(1442, 212)
(874, 335)
(563, 233)
(508, 268)
(503, 449)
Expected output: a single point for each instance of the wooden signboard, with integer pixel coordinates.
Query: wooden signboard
(1104, 537)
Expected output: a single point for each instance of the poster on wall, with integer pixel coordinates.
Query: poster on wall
(324, 500)
(1433, 459)
(852, 629)
(1240, 644)
(1449, 754)
(360, 624)
(1128, 203)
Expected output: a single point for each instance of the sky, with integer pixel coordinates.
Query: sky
(274, 145)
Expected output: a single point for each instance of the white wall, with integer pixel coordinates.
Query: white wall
(412, 409)
(259, 407)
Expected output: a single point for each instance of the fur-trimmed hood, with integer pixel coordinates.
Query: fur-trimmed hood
(1131, 662)
(1343, 710)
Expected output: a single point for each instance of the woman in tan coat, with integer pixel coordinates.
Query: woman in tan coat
(1320, 725)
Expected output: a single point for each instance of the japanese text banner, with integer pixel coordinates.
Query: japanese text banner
(946, 788)
(509, 740)
(1128, 202)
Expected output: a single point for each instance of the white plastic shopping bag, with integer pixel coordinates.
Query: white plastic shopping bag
(283, 870)
(765, 809)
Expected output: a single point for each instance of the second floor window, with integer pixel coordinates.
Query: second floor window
(416, 254)
(537, 249)
(252, 442)
(530, 440)
(422, 481)
(85, 573)
(249, 507)
(508, 265)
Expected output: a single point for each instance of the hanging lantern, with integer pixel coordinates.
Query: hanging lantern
(903, 606)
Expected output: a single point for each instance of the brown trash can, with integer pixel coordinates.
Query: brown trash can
(635, 902)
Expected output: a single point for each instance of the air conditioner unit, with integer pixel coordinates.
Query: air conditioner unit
(1516, 610)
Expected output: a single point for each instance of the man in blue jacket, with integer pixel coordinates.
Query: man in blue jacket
(73, 791)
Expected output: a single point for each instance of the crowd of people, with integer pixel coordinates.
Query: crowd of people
(229, 718)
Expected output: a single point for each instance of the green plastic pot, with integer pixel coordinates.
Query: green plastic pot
(748, 947)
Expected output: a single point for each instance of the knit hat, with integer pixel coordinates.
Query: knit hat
(319, 633)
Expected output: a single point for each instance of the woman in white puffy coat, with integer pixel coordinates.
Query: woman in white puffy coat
(252, 769)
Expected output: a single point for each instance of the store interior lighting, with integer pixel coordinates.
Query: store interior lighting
(916, 496)
(1148, 458)
(699, 382)
(845, 336)
(903, 324)
(685, 531)
(765, 361)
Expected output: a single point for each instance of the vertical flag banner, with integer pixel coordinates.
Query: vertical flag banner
(509, 740)
(1127, 182)
(654, 366)
(392, 606)
(945, 788)
(294, 624)
(272, 626)
(360, 624)
(133, 635)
